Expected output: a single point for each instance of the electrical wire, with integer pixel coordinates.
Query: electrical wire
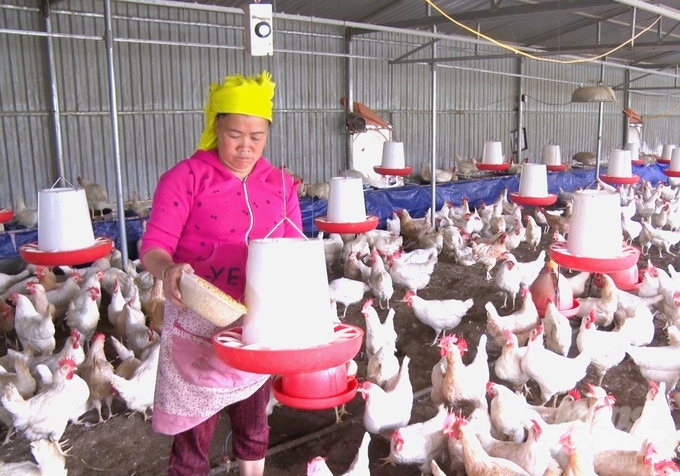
(550, 103)
(529, 55)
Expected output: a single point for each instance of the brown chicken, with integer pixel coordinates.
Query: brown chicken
(46, 277)
(488, 254)
(96, 372)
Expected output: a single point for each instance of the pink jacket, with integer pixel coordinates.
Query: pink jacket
(204, 215)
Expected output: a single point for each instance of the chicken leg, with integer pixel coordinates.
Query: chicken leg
(340, 412)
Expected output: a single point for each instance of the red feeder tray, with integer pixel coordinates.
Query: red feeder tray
(533, 201)
(33, 255)
(493, 167)
(571, 312)
(326, 226)
(396, 172)
(663, 161)
(230, 348)
(628, 287)
(629, 256)
(557, 168)
(637, 162)
(315, 403)
(632, 180)
(672, 173)
(5, 215)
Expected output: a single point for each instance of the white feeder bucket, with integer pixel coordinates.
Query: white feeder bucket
(346, 200)
(64, 220)
(493, 153)
(533, 181)
(667, 151)
(595, 225)
(619, 163)
(551, 155)
(393, 155)
(675, 161)
(287, 294)
(634, 150)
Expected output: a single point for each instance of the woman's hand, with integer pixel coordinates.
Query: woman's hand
(171, 276)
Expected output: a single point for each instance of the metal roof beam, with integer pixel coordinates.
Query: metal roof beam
(503, 13)
(658, 9)
(415, 50)
(667, 34)
(599, 49)
(579, 25)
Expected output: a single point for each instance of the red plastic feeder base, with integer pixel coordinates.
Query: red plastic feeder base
(395, 172)
(637, 162)
(672, 173)
(493, 167)
(610, 179)
(5, 215)
(571, 312)
(629, 256)
(557, 168)
(326, 226)
(345, 346)
(315, 403)
(533, 201)
(663, 161)
(33, 255)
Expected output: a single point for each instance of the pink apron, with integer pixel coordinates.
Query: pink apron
(193, 383)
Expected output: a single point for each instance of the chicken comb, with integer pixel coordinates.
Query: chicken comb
(462, 346)
(537, 428)
(99, 336)
(367, 303)
(654, 386)
(610, 400)
(508, 335)
(490, 386)
(75, 333)
(70, 362)
(575, 394)
(666, 464)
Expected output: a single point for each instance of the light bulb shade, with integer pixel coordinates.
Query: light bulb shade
(593, 94)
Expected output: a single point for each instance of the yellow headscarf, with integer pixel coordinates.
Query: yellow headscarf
(250, 96)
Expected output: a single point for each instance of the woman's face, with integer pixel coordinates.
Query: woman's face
(240, 141)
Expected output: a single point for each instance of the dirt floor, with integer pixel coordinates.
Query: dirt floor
(127, 446)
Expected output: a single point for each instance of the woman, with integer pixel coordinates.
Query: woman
(205, 210)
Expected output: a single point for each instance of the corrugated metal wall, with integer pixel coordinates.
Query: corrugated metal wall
(163, 69)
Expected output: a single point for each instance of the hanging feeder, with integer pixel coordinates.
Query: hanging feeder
(5, 215)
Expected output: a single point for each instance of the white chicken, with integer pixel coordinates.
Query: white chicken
(380, 281)
(83, 312)
(35, 331)
(383, 366)
(347, 291)
(46, 415)
(520, 322)
(419, 443)
(509, 412)
(440, 314)
(332, 247)
(378, 333)
(606, 349)
(508, 367)
(388, 410)
(412, 275)
(540, 364)
(49, 462)
(557, 330)
(138, 390)
(534, 233)
(508, 279)
(461, 384)
(359, 467)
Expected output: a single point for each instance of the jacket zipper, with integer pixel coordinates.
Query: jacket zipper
(250, 211)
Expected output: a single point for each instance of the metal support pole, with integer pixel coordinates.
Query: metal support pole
(349, 152)
(520, 108)
(600, 121)
(54, 96)
(626, 104)
(632, 28)
(114, 129)
(433, 160)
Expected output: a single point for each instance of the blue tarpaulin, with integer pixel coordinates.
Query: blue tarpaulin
(381, 203)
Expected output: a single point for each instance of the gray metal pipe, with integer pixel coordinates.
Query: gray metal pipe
(349, 149)
(520, 109)
(122, 232)
(433, 159)
(54, 98)
(600, 121)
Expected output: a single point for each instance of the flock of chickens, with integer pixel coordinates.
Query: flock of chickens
(498, 413)
(482, 423)
(45, 387)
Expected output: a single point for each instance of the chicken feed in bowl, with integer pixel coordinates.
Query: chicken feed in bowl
(208, 301)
